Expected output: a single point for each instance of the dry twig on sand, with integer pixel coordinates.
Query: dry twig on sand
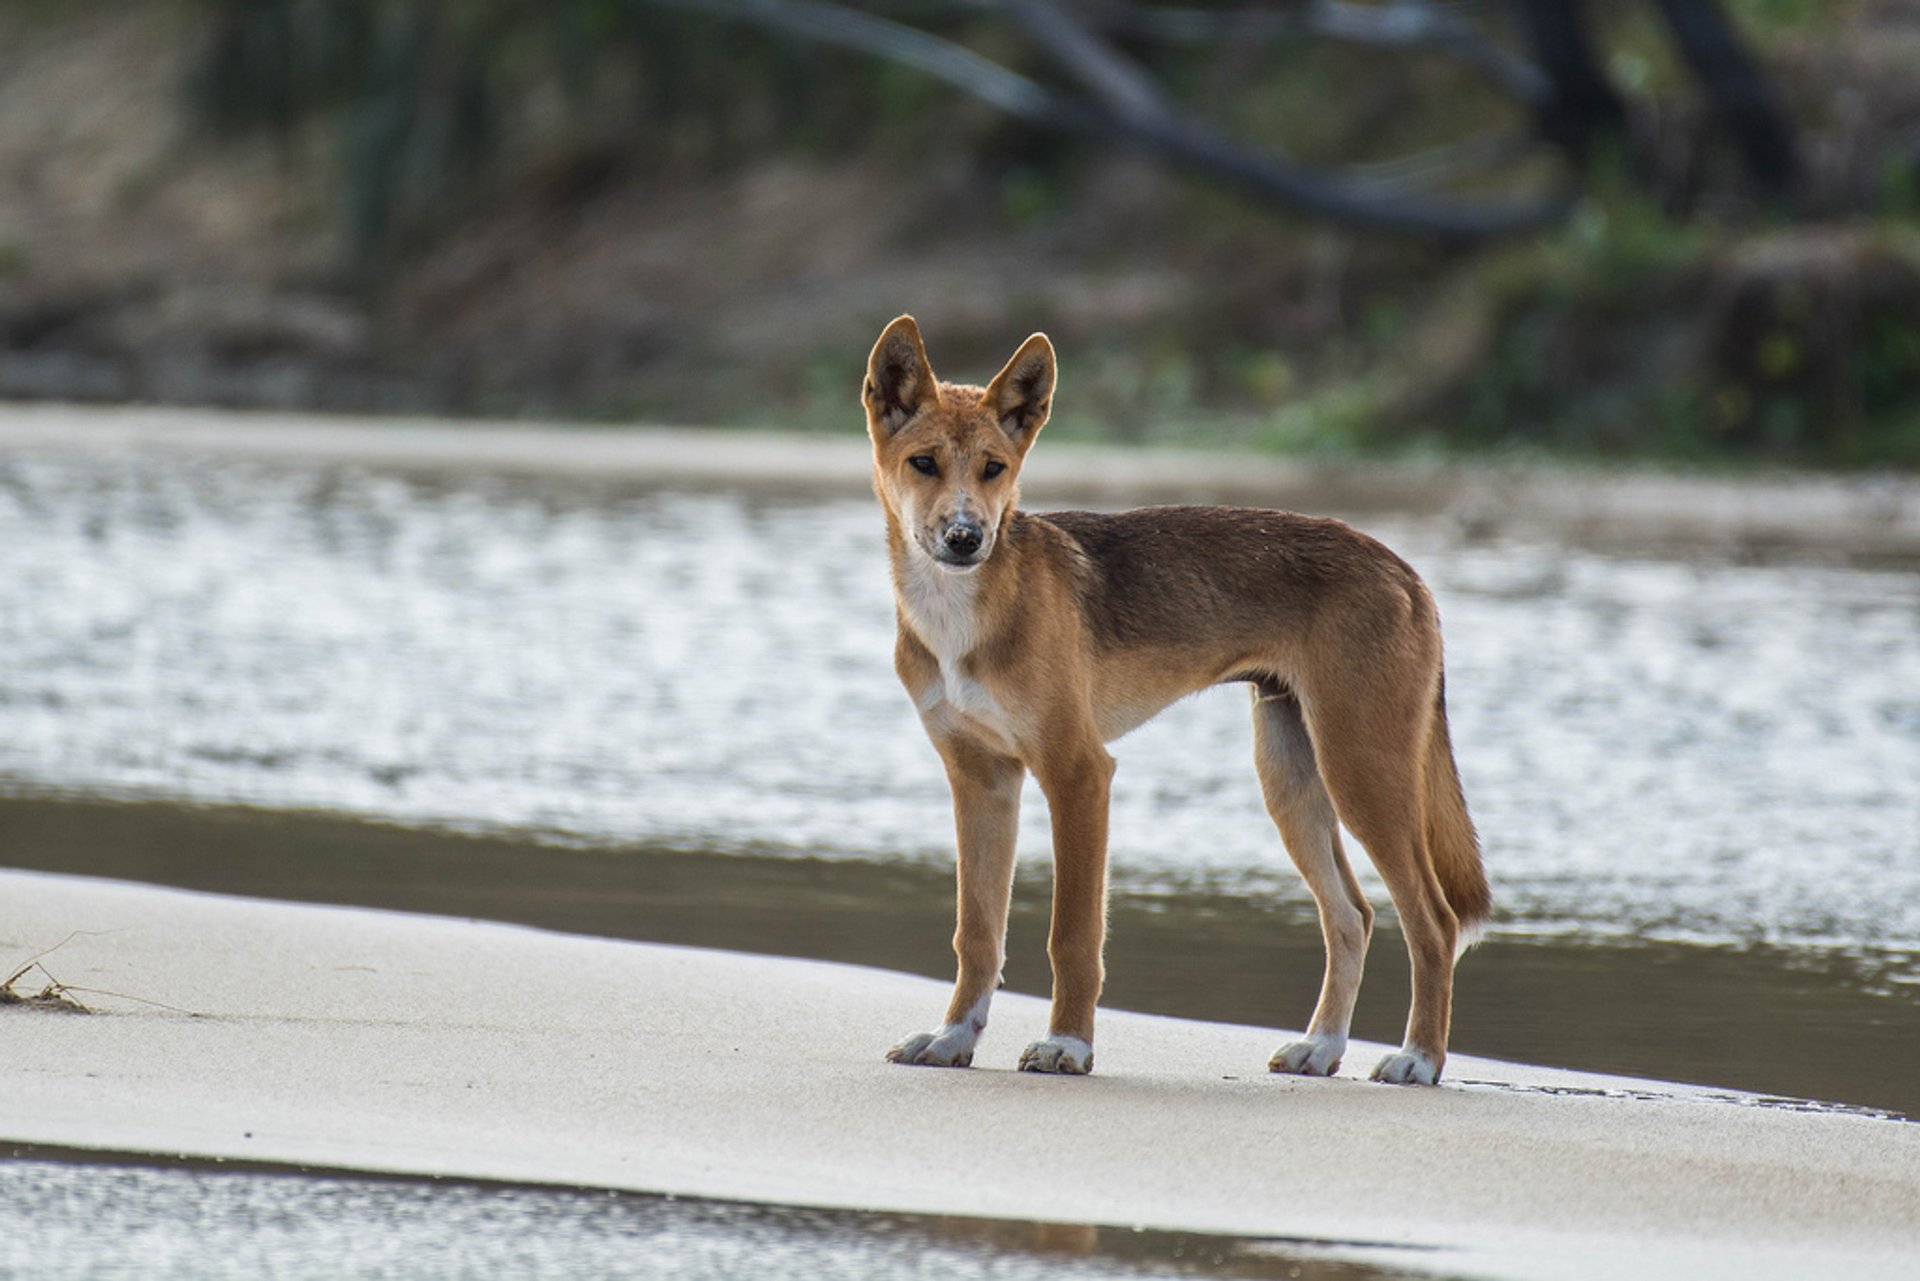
(58, 996)
(54, 996)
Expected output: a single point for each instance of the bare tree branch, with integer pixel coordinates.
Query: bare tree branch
(1713, 49)
(1146, 118)
(1126, 91)
(1345, 200)
(1414, 23)
(1581, 103)
(1127, 108)
(1402, 24)
(1483, 154)
(850, 29)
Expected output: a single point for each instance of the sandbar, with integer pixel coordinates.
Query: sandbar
(395, 1043)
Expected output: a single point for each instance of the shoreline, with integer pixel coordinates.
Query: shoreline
(1870, 517)
(1225, 957)
(382, 1041)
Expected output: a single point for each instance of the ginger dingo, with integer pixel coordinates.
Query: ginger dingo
(1027, 642)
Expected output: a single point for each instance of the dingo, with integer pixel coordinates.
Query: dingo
(1028, 641)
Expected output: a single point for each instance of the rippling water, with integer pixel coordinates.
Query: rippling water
(1685, 750)
(62, 1219)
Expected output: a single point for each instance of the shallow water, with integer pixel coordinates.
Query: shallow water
(1653, 749)
(70, 1218)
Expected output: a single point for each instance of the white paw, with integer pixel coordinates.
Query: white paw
(950, 1046)
(1408, 1067)
(1314, 1056)
(1068, 1055)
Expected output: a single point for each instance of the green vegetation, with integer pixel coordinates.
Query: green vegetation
(1662, 340)
(622, 209)
(424, 97)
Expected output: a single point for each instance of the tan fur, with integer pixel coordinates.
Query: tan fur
(1027, 642)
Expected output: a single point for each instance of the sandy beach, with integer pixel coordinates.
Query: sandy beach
(387, 1042)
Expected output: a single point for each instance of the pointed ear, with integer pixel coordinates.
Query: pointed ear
(899, 379)
(1021, 395)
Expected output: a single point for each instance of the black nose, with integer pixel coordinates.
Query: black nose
(963, 538)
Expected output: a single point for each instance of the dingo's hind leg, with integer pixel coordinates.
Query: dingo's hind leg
(1369, 750)
(1301, 809)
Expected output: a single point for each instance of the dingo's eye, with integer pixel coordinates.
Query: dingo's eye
(924, 464)
(993, 468)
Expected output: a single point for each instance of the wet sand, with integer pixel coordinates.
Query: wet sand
(1722, 1016)
(389, 1042)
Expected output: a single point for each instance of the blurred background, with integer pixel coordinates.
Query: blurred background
(1670, 232)
(1668, 228)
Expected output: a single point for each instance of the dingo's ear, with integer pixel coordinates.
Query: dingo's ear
(899, 379)
(1021, 395)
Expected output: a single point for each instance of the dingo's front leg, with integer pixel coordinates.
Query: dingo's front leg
(986, 815)
(1077, 789)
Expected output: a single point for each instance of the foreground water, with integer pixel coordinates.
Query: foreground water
(66, 1218)
(1654, 749)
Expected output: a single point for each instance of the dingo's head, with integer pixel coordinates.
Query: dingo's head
(946, 457)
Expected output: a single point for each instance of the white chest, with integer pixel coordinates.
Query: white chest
(939, 606)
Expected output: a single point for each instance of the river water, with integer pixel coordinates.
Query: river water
(673, 717)
(1654, 749)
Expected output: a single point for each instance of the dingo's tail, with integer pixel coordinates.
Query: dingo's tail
(1450, 836)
